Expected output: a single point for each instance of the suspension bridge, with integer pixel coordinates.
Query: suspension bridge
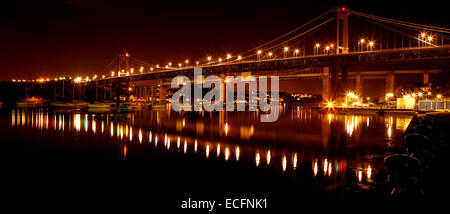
(337, 46)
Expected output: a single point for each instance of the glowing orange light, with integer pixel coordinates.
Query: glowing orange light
(124, 151)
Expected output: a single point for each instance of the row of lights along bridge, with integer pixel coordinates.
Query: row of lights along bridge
(424, 40)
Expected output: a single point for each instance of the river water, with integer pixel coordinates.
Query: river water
(306, 153)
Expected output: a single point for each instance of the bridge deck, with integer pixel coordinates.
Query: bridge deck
(392, 59)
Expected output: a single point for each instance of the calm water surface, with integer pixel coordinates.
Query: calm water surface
(330, 154)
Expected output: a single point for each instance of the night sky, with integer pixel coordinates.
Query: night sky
(69, 38)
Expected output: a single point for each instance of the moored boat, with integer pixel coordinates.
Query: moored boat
(32, 102)
(99, 105)
(68, 105)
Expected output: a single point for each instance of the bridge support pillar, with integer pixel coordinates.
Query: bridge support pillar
(128, 92)
(96, 90)
(162, 92)
(342, 14)
(63, 89)
(117, 89)
(425, 78)
(144, 93)
(152, 94)
(326, 85)
(223, 91)
(104, 90)
(359, 84)
(84, 91)
(390, 80)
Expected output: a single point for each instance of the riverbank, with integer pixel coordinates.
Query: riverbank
(373, 111)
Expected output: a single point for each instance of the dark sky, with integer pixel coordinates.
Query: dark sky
(69, 38)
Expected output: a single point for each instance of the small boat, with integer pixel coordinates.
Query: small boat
(99, 105)
(129, 106)
(32, 102)
(68, 105)
(24, 104)
(158, 106)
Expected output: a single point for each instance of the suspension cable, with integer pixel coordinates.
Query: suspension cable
(403, 23)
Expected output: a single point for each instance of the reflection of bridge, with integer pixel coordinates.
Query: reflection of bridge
(334, 62)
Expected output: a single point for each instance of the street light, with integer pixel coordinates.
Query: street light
(296, 51)
(259, 54)
(361, 43)
(220, 60)
(186, 61)
(209, 59)
(371, 44)
(286, 49)
(421, 39)
(270, 54)
(430, 40)
(239, 58)
(330, 104)
(228, 57)
(316, 48)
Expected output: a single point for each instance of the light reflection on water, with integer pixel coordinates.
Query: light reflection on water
(301, 139)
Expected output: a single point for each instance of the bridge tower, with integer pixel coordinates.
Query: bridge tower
(342, 28)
